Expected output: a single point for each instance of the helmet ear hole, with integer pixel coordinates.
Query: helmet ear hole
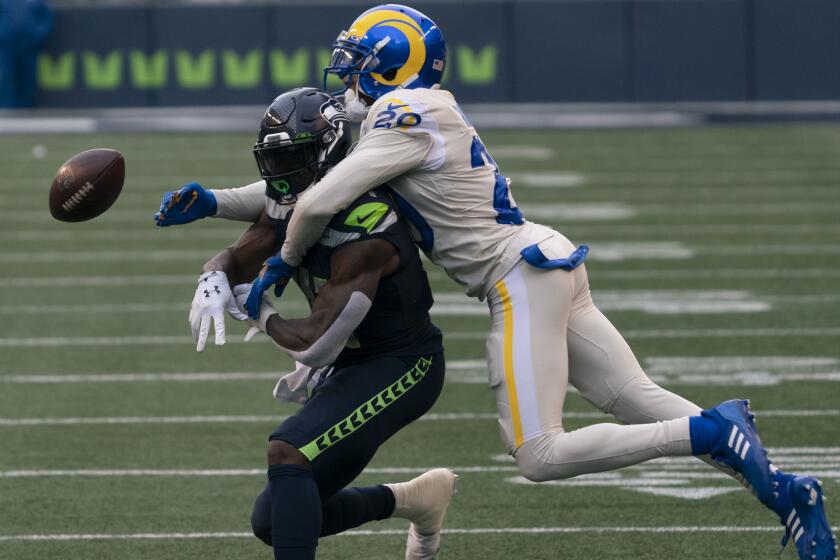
(390, 74)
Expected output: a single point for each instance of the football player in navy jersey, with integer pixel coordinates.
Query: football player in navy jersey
(369, 359)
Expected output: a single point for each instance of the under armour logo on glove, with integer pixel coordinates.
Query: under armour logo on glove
(208, 307)
(215, 289)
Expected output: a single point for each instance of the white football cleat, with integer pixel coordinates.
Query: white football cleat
(423, 501)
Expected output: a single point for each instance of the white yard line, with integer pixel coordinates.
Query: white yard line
(717, 333)
(594, 211)
(539, 153)
(579, 211)
(667, 273)
(686, 178)
(146, 235)
(155, 255)
(93, 308)
(224, 419)
(52, 342)
(259, 419)
(179, 307)
(453, 367)
(222, 233)
(138, 377)
(614, 251)
(549, 179)
(77, 341)
(684, 333)
(605, 251)
(676, 230)
(391, 532)
(717, 273)
(456, 304)
(98, 281)
(764, 249)
(96, 473)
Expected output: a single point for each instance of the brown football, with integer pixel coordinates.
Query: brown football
(87, 185)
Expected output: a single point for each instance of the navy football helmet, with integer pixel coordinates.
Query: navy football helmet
(303, 133)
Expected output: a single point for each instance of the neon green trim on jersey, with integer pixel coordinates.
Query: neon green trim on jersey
(367, 215)
(368, 410)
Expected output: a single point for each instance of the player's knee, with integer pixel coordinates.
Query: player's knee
(261, 517)
(283, 453)
(531, 468)
(535, 465)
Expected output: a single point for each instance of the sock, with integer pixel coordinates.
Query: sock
(261, 516)
(704, 433)
(352, 507)
(295, 512)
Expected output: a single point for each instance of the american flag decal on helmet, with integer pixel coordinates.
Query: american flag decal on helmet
(437, 65)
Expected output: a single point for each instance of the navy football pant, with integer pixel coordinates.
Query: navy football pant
(353, 412)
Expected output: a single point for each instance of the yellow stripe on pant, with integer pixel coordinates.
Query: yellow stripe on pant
(510, 379)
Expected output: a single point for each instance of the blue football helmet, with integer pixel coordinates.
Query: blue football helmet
(389, 47)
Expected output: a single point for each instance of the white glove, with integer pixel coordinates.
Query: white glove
(212, 297)
(240, 294)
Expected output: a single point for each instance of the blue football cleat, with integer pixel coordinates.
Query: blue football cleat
(799, 505)
(740, 448)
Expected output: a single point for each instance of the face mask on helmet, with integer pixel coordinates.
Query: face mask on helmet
(288, 166)
(386, 48)
(304, 132)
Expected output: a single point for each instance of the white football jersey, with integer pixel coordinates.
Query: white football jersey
(445, 181)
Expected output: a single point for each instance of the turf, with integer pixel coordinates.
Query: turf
(753, 211)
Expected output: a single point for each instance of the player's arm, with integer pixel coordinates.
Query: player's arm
(193, 202)
(378, 157)
(341, 305)
(242, 261)
(244, 204)
(234, 265)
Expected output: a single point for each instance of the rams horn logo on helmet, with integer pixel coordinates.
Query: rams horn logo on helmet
(412, 32)
(389, 47)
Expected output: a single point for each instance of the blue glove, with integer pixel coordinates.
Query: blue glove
(192, 202)
(275, 272)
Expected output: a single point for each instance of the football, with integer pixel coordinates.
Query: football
(87, 185)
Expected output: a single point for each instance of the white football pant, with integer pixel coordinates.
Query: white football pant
(547, 333)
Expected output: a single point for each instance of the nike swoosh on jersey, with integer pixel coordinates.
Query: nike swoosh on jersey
(362, 219)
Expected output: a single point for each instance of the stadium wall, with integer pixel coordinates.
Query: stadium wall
(594, 51)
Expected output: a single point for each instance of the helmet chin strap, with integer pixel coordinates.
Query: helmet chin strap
(357, 110)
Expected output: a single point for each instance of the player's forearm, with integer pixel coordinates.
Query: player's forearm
(241, 262)
(365, 168)
(294, 335)
(241, 203)
(318, 340)
(222, 261)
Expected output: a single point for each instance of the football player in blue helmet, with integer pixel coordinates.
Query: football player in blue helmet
(387, 47)
(442, 177)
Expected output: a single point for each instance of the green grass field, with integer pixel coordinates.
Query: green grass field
(715, 250)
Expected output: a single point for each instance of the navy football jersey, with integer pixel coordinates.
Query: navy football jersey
(398, 322)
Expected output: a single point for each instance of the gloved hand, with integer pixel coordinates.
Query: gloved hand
(188, 204)
(212, 297)
(241, 293)
(275, 272)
